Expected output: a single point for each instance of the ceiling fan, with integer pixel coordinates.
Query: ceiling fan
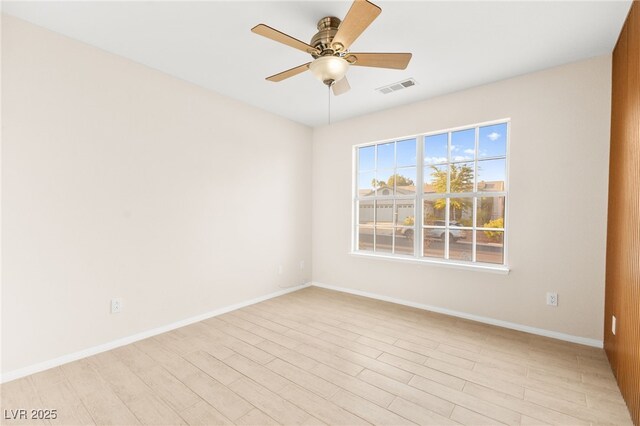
(330, 48)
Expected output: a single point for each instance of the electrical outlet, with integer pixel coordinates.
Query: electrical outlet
(302, 265)
(280, 270)
(613, 324)
(552, 299)
(116, 306)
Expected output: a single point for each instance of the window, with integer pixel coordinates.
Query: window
(454, 182)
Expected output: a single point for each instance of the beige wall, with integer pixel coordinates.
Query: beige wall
(120, 181)
(558, 201)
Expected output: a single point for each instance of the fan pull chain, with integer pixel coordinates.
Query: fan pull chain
(329, 103)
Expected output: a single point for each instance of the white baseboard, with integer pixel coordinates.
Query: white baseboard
(41, 366)
(478, 318)
(35, 368)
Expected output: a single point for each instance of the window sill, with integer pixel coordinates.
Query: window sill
(496, 269)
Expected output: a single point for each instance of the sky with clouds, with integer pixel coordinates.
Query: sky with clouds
(402, 154)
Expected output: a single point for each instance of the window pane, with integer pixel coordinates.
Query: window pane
(493, 141)
(384, 239)
(491, 175)
(405, 180)
(490, 213)
(435, 149)
(490, 246)
(366, 186)
(435, 234)
(404, 240)
(384, 182)
(461, 212)
(435, 179)
(366, 213)
(365, 238)
(434, 212)
(463, 145)
(405, 212)
(366, 158)
(406, 152)
(386, 156)
(405, 220)
(384, 213)
(460, 247)
(366, 222)
(461, 177)
(434, 242)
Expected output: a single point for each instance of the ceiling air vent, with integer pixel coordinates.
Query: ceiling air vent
(397, 86)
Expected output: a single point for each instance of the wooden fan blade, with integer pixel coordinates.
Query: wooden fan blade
(340, 87)
(289, 73)
(280, 37)
(397, 61)
(361, 14)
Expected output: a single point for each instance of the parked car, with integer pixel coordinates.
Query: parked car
(407, 233)
(439, 233)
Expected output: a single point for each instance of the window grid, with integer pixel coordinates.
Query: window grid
(395, 225)
(419, 226)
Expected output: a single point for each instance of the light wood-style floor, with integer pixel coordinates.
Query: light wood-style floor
(322, 357)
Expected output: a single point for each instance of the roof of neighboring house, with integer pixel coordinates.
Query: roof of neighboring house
(497, 185)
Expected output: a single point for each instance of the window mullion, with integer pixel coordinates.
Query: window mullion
(446, 228)
(475, 160)
(448, 163)
(394, 223)
(394, 204)
(375, 224)
(475, 199)
(419, 216)
(355, 205)
(473, 232)
(375, 202)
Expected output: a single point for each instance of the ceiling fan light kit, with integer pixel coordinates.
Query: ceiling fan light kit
(329, 48)
(329, 69)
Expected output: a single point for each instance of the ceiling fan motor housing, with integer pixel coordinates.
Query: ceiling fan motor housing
(327, 29)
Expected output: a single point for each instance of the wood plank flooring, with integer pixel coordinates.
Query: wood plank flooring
(321, 357)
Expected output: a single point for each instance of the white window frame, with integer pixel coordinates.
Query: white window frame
(419, 198)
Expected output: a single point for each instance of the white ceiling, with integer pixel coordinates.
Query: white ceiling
(455, 44)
